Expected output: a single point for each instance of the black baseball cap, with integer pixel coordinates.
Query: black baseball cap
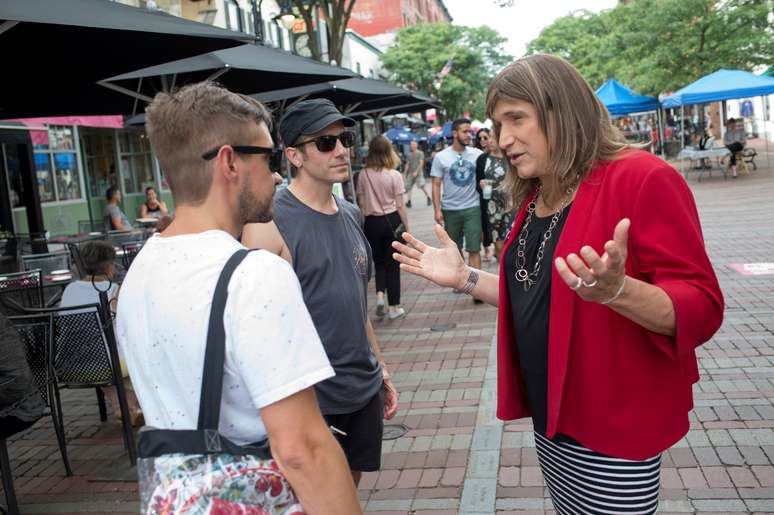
(308, 117)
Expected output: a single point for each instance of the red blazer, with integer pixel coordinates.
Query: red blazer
(612, 385)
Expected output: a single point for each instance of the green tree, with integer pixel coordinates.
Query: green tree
(662, 45)
(421, 51)
(336, 14)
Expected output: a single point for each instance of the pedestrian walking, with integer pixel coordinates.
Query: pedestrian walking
(604, 292)
(455, 198)
(222, 166)
(321, 237)
(482, 143)
(413, 173)
(380, 197)
(491, 169)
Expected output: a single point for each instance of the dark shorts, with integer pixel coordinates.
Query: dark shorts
(363, 443)
(465, 223)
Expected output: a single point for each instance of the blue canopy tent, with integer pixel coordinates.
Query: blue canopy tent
(621, 100)
(444, 133)
(722, 85)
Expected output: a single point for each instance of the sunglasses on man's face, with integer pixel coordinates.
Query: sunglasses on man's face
(275, 154)
(327, 143)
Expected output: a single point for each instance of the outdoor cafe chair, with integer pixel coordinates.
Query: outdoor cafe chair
(20, 291)
(118, 238)
(84, 354)
(130, 251)
(87, 226)
(47, 263)
(36, 333)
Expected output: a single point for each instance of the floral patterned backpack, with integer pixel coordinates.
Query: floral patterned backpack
(199, 471)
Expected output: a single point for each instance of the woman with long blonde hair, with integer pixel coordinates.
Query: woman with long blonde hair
(605, 290)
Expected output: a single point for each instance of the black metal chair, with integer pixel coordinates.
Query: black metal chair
(85, 226)
(21, 291)
(36, 332)
(47, 263)
(7, 474)
(118, 238)
(84, 354)
(130, 251)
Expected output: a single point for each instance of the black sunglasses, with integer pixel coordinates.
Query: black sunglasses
(275, 154)
(328, 142)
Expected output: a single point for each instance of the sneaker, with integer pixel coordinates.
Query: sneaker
(392, 315)
(408, 203)
(380, 308)
(429, 202)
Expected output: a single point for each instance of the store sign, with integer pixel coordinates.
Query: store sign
(753, 268)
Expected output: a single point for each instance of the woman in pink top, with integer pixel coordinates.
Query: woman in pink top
(380, 196)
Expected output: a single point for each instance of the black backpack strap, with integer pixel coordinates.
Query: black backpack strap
(215, 353)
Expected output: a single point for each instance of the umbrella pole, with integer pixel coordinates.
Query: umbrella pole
(682, 137)
(766, 135)
(351, 183)
(660, 121)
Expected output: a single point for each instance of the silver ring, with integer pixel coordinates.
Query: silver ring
(591, 284)
(578, 284)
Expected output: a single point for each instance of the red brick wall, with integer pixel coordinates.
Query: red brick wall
(371, 17)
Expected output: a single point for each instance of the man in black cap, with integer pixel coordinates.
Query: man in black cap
(321, 237)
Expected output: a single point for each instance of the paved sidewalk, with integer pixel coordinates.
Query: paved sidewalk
(456, 457)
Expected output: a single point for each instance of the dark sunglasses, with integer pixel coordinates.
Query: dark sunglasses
(275, 154)
(328, 142)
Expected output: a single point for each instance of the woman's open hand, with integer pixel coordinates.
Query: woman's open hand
(443, 266)
(595, 278)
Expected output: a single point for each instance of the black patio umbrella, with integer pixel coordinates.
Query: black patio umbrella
(54, 52)
(378, 108)
(245, 69)
(347, 94)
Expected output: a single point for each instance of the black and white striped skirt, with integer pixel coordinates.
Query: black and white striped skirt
(583, 481)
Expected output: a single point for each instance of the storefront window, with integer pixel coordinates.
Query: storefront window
(99, 161)
(43, 177)
(135, 161)
(68, 183)
(56, 165)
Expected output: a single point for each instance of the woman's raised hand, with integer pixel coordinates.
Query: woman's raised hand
(443, 266)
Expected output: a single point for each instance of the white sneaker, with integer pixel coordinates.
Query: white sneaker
(392, 315)
(380, 307)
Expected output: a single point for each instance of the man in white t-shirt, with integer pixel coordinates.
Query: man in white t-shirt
(219, 159)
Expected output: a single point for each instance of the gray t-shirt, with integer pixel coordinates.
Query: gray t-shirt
(458, 171)
(737, 135)
(111, 212)
(414, 158)
(332, 259)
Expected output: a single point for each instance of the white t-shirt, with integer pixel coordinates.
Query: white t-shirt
(272, 348)
(83, 292)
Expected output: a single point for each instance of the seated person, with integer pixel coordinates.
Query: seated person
(115, 219)
(98, 259)
(152, 207)
(734, 139)
(20, 401)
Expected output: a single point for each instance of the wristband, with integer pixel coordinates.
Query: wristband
(617, 294)
(471, 283)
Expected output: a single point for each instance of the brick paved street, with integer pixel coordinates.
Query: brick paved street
(456, 457)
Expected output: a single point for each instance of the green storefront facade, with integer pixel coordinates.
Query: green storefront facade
(73, 166)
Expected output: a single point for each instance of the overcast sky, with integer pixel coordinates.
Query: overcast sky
(522, 22)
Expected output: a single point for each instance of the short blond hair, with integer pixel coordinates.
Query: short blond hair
(185, 124)
(582, 133)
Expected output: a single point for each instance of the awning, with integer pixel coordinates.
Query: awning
(621, 100)
(721, 85)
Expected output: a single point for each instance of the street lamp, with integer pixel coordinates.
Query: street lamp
(286, 17)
